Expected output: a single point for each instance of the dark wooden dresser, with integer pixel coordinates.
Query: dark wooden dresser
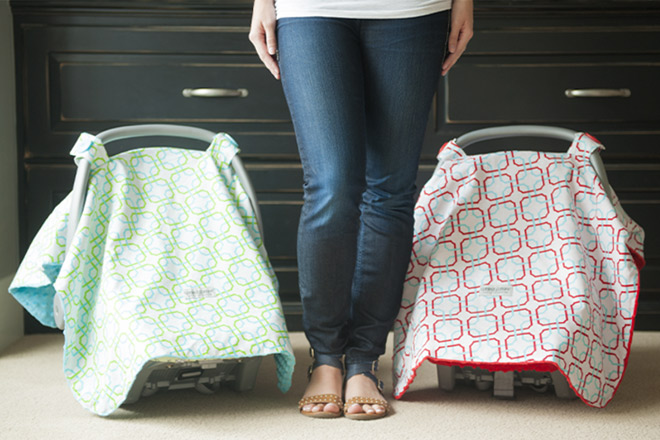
(92, 65)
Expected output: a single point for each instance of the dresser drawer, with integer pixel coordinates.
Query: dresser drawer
(91, 78)
(553, 34)
(488, 90)
(123, 89)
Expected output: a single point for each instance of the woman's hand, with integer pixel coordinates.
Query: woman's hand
(262, 34)
(461, 32)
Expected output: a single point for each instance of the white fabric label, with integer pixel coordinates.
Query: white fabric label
(495, 290)
(201, 292)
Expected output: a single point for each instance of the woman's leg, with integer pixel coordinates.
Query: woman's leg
(401, 62)
(320, 62)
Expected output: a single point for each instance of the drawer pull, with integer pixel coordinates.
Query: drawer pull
(214, 93)
(597, 93)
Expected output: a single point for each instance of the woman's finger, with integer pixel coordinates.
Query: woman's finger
(449, 62)
(453, 39)
(271, 40)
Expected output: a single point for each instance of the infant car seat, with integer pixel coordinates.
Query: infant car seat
(524, 270)
(154, 266)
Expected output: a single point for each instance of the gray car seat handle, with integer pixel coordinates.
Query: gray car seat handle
(132, 131)
(514, 131)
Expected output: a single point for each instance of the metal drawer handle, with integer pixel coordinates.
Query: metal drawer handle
(597, 93)
(214, 93)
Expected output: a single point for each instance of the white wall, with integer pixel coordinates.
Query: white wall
(11, 314)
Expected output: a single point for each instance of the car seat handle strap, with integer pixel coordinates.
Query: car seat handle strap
(88, 153)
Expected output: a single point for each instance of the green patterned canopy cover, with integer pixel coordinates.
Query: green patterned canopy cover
(167, 261)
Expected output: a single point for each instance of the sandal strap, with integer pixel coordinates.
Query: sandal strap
(379, 383)
(371, 374)
(365, 401)
(315, 363)
(321, 398)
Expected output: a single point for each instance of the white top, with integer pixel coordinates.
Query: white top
(359, 8)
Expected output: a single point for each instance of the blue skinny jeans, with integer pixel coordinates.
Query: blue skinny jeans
(359, 93)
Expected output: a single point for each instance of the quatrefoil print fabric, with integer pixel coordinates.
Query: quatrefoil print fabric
(166, 262)
(521, 261)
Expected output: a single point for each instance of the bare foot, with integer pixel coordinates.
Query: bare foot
(325, 380)
(361, 386)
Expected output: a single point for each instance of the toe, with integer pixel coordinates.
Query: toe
(357, 408)
(331, 408)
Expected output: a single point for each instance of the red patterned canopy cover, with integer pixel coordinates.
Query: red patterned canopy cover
(521, 261)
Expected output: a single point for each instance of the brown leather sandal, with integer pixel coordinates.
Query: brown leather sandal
(319, 399)
(358, 400)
